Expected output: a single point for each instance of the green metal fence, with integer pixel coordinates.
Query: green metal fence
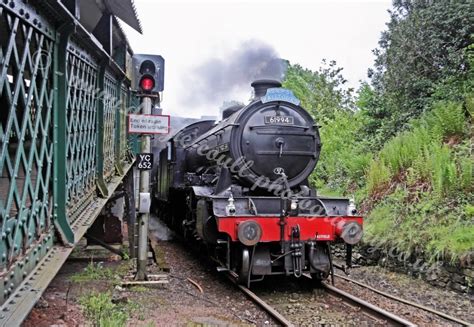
(82, 77)
(26, 103)
(122, 137)
(111, 99)
(63, 106)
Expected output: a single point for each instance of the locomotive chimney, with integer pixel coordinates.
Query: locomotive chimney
(230, 110)
(261, 86)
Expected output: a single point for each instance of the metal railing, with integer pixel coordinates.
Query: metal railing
(63, 106)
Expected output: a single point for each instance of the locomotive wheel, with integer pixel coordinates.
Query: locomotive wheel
(244, 271)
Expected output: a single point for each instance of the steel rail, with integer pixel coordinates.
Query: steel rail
(416, 305)
(264, 305)
(371, 310)
(368, 308)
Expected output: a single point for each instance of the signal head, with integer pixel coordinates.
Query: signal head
(148, 73)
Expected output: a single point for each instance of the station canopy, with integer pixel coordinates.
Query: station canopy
(92, 10)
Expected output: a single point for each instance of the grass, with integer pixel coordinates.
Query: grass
(139, 289)
(378, 176)
(432, 228)
(94, 271)
(99, 307)
(432, 165)
(102, 312)
(453, 241)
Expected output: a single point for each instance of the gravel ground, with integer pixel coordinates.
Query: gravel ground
(314, 308)
(180, 303)
(295, 300)
(305, 306)
(416, 290)
(220, 303)
(56, 307)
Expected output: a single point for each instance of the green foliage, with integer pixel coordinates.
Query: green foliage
(431, 166)
(343, 160)
(466, 167)
(380, 220)
(451, 241)
(100, 309)
(422, 155)
(94, 271)
(443, 170)
(322, 92)
(372, 112)
(421, 59)
(446, 119)
(426, 227)
(403, 144)
(378, 176)
(469, 211)
(126, 255)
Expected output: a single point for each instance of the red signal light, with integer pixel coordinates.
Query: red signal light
(147, 83)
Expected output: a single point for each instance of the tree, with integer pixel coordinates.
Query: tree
(322, 93)
(422, 48)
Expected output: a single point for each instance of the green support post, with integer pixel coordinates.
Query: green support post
(102, 186)
(60, 134)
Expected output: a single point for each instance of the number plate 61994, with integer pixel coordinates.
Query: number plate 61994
(279, 120)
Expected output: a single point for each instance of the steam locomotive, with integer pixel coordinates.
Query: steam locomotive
(240, 186)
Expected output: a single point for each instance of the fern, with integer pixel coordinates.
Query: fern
(379, 174)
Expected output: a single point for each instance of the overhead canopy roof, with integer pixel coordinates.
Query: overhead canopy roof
(92, 10)
(125, 10)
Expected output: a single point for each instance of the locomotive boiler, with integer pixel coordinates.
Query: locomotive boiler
(240, 186)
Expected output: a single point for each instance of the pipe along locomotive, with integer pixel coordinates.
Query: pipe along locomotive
(240, 186)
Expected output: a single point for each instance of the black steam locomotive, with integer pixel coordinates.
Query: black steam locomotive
(240, 186)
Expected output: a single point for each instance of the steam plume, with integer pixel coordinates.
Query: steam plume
(219, 79)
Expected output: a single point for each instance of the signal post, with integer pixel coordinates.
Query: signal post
(147, 81)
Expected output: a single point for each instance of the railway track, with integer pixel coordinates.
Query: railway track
(256, 299)
(406, 302)
(378, 314)
(372, 312)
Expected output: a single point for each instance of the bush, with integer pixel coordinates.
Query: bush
(380, 220)
(344, 158)
(443, 169)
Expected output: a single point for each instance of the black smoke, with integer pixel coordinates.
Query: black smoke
(219, 79)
